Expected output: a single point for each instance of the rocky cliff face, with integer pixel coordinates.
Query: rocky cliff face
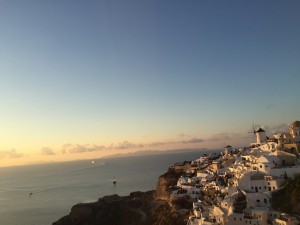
(165, 184)
(140, 208)
(137, 209)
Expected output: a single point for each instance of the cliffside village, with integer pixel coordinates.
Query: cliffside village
(236, 186)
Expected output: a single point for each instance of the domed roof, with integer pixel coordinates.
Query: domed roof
(295, 124)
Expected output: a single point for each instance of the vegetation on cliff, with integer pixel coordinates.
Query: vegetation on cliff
(288, 199)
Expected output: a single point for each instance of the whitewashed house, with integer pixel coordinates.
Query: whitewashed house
(249, 217)
(263, 183)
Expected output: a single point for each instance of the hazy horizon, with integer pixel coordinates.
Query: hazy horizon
(137, 153)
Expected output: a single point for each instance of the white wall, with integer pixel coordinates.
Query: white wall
(289, 171)
(264, 186)
(257, 200)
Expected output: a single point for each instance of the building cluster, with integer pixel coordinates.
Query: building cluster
(236, 186)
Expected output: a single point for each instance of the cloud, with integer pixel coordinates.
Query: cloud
(127, 144)
(225, 136)
(140, 145)
(47, 151)
(192, 140)
(155, 144)
(189, 139)
(184, 135)
(276, 129)
(10, 154)
(76, 148)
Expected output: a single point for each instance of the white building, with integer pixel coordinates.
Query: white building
(250, 216)
(263, 183)
(266, 163)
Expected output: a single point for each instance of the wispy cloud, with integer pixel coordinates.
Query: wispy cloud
(156, 144)
(182, 136)
(185, 139)
(47, 151)
(76, 148)
(189, 139)
(225, 136)
(192, 140)
(10, 154)
(276, 129)
(127, 145)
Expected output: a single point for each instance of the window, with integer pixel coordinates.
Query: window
(265, 187)
(265, 201)
(234, 218)
(259, 187)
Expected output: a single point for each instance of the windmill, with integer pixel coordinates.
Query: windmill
(259, 133)
(255, 129)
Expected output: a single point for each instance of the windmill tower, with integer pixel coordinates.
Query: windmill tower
(260, 135)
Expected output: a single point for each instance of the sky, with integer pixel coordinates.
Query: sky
(84, 79)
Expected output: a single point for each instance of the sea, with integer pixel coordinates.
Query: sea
(56, 187)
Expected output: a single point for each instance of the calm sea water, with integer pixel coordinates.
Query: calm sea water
(57, 187)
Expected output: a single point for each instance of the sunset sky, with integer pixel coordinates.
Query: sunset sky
(83, 79)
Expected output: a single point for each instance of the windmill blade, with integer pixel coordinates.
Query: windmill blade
(253, 129)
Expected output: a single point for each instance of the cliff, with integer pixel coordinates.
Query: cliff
(140, 208)
(165, 184)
